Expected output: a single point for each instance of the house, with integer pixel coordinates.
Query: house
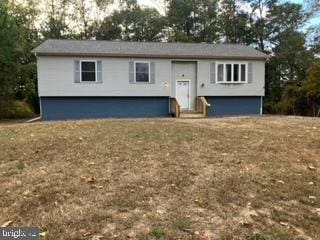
(97, 79)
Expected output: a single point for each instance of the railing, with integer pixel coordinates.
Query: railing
(174, 107)
(203, 106)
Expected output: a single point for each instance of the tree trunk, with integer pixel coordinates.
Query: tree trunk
(314, 107)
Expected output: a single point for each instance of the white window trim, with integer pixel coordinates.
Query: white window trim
(95, 68)
(149, 71)
(225, 73)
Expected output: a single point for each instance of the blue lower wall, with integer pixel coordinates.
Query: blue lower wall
(60, 108)
(224, 106)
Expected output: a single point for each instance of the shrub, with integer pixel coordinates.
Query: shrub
(15, 109)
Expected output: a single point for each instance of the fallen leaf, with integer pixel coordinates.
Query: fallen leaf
(312, 197)
(160, 211)
(83, 178)
(284, 224)
(87, 233)
(26, 193)
(6, 224)
(90, 180)
(130, 234)
(19, 183)
(312, 168)
(43, 234)
(97, 237)
(245, 223)
(280, 181)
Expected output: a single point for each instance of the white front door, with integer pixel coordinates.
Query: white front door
(183, 94)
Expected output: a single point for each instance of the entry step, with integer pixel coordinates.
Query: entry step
(191, 114)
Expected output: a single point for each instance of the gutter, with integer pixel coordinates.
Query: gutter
(149, 56)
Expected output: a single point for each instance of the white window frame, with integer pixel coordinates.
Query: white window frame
(232, 76)
(95, 68)
(149, 73)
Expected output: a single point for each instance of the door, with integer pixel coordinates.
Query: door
(183, 93)
(185, 71)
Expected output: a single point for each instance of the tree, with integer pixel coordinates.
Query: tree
(17, 64)
(109, 29)
(87, 15)
(133, 23)
(81, 15)
(234, 23)
(290, 58)
(55, 25)
(259, 18)
(312, 88)
(192, 20)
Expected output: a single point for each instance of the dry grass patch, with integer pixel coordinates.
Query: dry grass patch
(224, 178)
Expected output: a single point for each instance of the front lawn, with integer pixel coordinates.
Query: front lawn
(221, 178)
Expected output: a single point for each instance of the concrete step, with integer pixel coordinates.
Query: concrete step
(191, 114)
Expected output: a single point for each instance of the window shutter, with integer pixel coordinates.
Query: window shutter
(77, 71)
(152, 73)
(131, 72)
(213, 72)
(99, 71)
(249, 72)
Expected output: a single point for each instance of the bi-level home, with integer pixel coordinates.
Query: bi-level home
(101, 79)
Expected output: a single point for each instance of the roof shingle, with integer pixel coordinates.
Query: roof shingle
(147, 49)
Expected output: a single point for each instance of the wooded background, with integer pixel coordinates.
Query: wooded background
(278, 28)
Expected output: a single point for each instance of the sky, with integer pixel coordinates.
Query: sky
(315, 20)
(160, 6)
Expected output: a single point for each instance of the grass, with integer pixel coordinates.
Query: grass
(223, 178)
(157, 233)
(258, 236)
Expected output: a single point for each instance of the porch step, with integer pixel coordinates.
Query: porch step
(192, 114)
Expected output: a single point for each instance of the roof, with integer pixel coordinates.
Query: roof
(52, 47)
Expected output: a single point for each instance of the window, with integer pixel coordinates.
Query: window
(88, 71)
(235, 72)
(243, 73)
(142, 71)
(220, 72)
(231, 72)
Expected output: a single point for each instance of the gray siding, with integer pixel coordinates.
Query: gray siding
(56, 78)
(255, 88)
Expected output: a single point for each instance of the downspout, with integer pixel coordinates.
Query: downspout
(40, 107)
(261, 105)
